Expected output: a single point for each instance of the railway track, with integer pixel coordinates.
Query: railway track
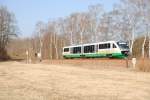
(104, 62)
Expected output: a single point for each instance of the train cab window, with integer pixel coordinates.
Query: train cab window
(66, 49)
(114, 46)
(76, 50)
(89, 49)
(104, 46)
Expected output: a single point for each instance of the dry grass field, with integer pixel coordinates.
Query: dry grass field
(47, 81)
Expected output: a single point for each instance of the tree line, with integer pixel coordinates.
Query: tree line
(7, 30)
(127, 21)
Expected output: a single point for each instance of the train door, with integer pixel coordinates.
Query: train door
(104, 49)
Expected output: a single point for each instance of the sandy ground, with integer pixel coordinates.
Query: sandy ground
(20, 81)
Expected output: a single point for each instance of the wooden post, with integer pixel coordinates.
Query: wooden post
(127, 63)
(27, 56)
(133, 62)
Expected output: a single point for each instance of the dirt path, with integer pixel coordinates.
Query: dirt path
(20, 81)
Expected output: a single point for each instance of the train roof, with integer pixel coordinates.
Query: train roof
(89, 44)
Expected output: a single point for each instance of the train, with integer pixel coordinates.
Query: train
(108, 49)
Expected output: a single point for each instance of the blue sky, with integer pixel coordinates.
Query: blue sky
(28, 12)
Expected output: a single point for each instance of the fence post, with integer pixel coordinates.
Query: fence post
(133, 62)
(27, 56)
(127, 64)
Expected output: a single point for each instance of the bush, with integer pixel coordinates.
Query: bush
(143, 65)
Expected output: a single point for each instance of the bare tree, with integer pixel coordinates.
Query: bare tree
(7, 28)
(95, 14)
(40, 30)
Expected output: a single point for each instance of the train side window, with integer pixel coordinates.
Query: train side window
(108, 45)
(114, 46)
(76, 50)
(101, 46)
(66, 49)
(89, 49)
(104, 46)
(86, 49)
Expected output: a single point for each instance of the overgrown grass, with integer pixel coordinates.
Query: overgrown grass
(143, 65)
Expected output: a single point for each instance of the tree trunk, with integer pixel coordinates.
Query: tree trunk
(55, 44)
(149, 49)
(131, 47)
(143, 47)
(51, 47)
(132, 41)
(71, 39)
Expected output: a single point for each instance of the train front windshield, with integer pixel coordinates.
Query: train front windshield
(123, 45)
(124, 48)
